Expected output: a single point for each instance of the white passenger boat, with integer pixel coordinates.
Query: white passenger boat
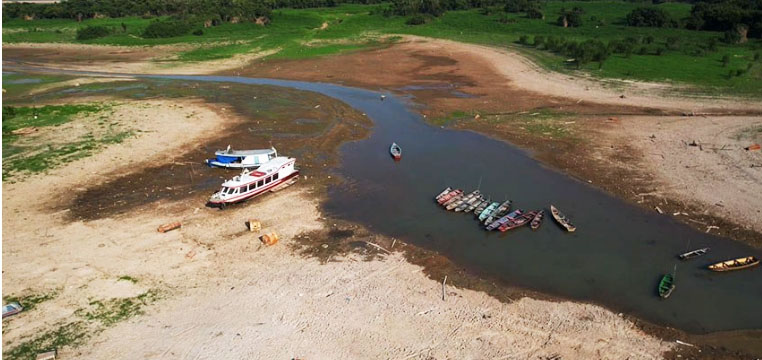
(273, 175)
(242, 159)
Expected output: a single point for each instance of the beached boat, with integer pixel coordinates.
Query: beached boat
(735, 264)
(666, 285)
(241, 159)
(537, 220)
(517, 221)
(693, 254)
(491, 208)
(271, 176)
(499, 222)
(449, 196)
(443, 193)
(562, 219)
(396, 151)
(483, 205)
(475, 205)
(501, 210)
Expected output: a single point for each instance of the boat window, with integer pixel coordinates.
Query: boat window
(268, 179)
(275, 177)
(260, 183)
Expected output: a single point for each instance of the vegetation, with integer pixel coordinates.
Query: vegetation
(29, 301)
(98, 316)
(92, 32)
(632, 52)
(650, 16)
(166, 29)
(21, 155)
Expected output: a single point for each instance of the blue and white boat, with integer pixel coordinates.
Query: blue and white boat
(241, 159)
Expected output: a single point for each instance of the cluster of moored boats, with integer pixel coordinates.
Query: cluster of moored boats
(263, 171)
(498, 216)
(495, 215)
(667, 283)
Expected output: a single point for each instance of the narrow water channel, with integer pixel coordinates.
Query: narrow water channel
(615, 258)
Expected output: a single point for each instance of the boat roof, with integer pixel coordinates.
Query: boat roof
(266, 169)
(245, 152)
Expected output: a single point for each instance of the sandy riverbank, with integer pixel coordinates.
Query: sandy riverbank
(215, 290)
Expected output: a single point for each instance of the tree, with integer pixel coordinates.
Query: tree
(539, 40)
(535, 13)
(650, 17)
(571, 18)
(524, 40)
(725, 60)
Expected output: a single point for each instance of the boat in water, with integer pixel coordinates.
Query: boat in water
(447, 197)
(476, 204)
(666, 285)
(396, 151)
(272, 176)
(465, 198)
(443, 193)
(693, 254)
(466, 204)
(491, 208)
(537, 220)
(501, 210)
(562, 219)
(483, 205)
(517, 221)
(241, 159)
(735, 264)
(499, 222)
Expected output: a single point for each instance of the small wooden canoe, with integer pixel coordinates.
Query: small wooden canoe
(501, 211)
(462, 200)
(666, 285)
(735, 264)
(483, 205)
(693, 254)
(562, 219)
(449, 196)
(443, 193)
(537, 220)
(518, 221)
(396, 151)
(499, 222)
(488, 210)
(475, 204)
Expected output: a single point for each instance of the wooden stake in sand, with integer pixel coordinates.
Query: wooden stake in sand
(443, 288)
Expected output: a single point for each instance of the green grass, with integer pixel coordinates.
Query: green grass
(30, 301)
(25, 155)
(540, 122)
(352, 27)
(128, 278)
(16, 85)
(98, 316)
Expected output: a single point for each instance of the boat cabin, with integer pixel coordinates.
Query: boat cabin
(230, 158)
(252, 183)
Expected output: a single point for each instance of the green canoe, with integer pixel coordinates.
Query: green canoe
(666, 286)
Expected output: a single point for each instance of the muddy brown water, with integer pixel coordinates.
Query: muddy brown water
(615, 258)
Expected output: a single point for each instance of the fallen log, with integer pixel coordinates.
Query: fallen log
(169, 227)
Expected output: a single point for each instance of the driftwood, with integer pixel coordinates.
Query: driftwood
(443, 287)
(377, 246)
(169, 227)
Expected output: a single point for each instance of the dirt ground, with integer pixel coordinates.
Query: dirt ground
(160, 59)
(607, 141)
(220, 292)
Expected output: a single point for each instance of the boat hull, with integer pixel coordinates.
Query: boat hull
(255, 193)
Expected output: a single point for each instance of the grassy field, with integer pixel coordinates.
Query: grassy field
(44, 150)
(298, 34)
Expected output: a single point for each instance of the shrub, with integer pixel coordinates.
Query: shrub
(535, 13)
(725, 60)
(166, 29)
(539, 40)
(643, 50)
(571, 18)
(92, 32)
(731, 37)
(524, 40)
(660, 51)
(198, 32)
(673, 42)
(651, 17)
(417, 19)
(756, 56)
(740, 72)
